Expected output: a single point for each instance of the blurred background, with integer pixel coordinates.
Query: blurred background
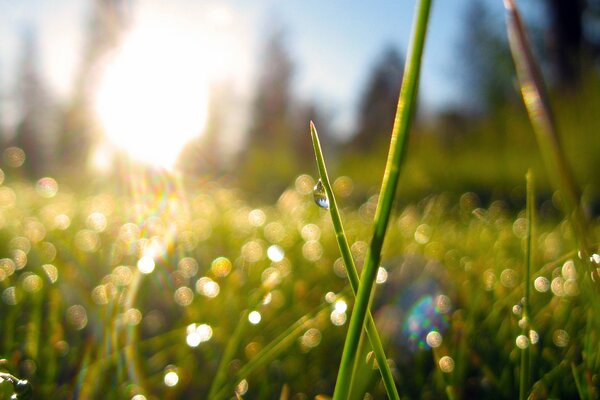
(156, 198)
(224, 90)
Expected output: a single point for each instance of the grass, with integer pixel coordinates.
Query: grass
(83, 317)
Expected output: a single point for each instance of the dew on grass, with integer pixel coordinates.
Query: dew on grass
(443, 304)
(517, 309)
(221, 267)
(7, 197)
(77, 316)
(14, 157)
(207, 287)
(330, 297)
(340, 306)
(8, 266)
(304, 184)
(338, 318)
(138, 397)
(382, 276)
(312, 250)
(183, 296)
(434, 339)
(522, 341)
(197, 334)
(557, 286)
(568, 270)
(570, 287)
(271, 277)
(51, 272)
(47, 187)
(132, 317)
(320, 195)
(508, 278)
(171, 378)
(122, 275)
(274, 232)
(257, 217)
(311, 338)
(87, 240)
(339, 268)
(20, 258)
(9, 296)
(32, 283)
(534, 337)
(560, 338)
(242, 387)
(100, 295)
(423, 234)
(446, 364)
(146, 264)
(254, 317)
(253, 251)
(541, 284)
(96, 221)
(62, 222)
(343, 186)
(275, 253)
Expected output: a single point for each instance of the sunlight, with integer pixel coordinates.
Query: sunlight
(153, 97)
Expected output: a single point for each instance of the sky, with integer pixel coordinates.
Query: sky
(333, 43)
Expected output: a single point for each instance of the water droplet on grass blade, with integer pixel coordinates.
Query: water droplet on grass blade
(320, 195)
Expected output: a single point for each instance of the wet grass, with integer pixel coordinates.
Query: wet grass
(162, 293)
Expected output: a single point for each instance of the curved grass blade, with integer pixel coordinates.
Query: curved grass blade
(342, 241)
(406, 106)
(540, 113)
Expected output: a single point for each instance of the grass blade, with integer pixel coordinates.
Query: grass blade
(525, 370)
(342, 241)
(541, 116)
(406, 106)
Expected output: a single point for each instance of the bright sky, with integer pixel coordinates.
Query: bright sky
(333, 43)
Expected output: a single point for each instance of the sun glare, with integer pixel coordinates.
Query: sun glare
(153, 96)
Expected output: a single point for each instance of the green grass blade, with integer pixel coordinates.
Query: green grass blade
(406, 106)
(541, 116)
(525, 370)
(232, 346)
(342, 241)
(276, 346)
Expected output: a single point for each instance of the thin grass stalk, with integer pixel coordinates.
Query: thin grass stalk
(276, 346)
(525, 370)
(406, 106)
(342, 241)
(230, 349)
(540, 113)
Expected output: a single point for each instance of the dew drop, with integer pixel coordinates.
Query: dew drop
(446, 364)
(320, 195)
(522, 342)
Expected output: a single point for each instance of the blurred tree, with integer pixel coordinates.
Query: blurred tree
(78, 134)
(379, 101)
(268, 163)
(273, 98)
(574, 37)
(204, 156)
(32, 130)
(486, 62)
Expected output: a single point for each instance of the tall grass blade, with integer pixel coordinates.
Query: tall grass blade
(540, 113)
(525, 370)
(406, 106)
(342, 241)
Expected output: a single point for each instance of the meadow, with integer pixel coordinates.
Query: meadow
(153, 289)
